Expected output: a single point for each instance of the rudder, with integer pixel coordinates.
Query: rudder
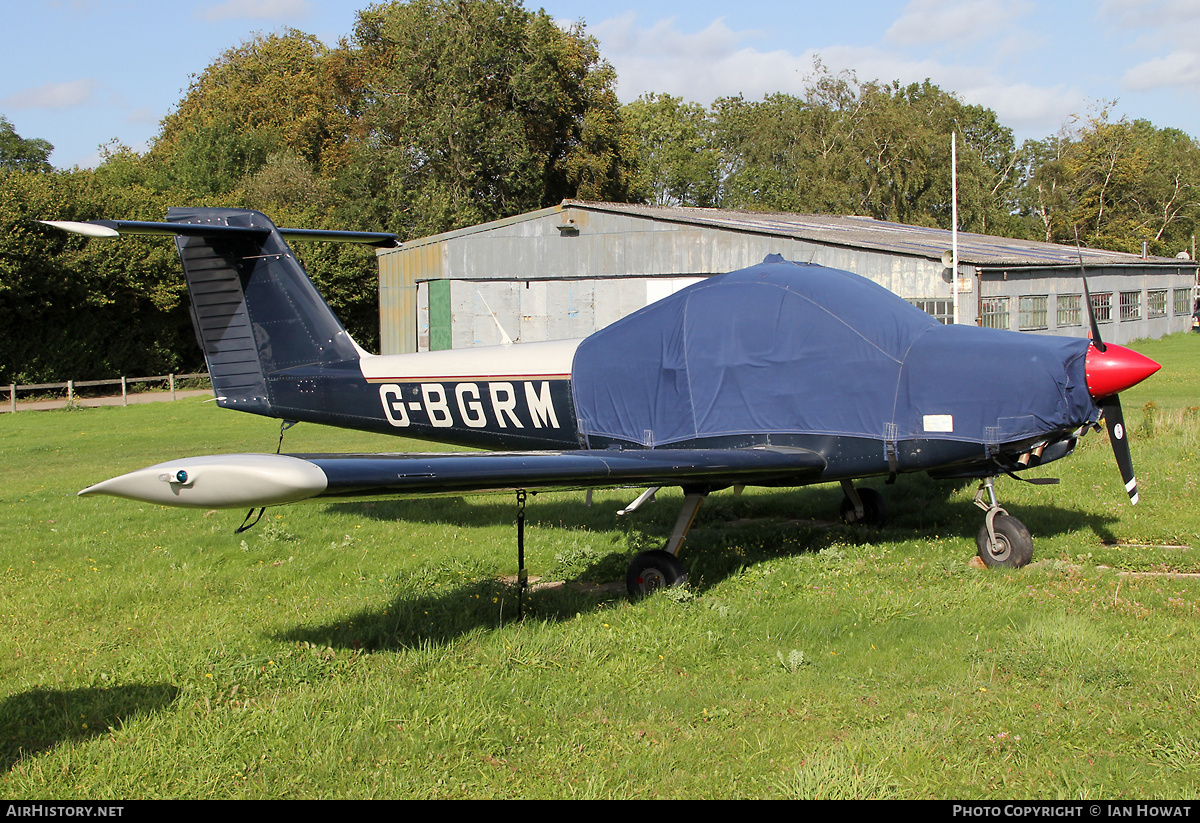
(255, 311)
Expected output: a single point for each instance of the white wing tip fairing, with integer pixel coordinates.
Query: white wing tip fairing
(219, 481)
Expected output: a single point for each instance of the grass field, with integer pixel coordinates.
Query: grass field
(370, 649)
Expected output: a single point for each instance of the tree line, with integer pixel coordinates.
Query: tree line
(437, 114)
(883, 150)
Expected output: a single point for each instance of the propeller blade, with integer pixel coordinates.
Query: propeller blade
(1114, 419)
(1087, 298)
(1109, 374)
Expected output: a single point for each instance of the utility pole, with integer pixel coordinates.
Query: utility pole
(954, 218)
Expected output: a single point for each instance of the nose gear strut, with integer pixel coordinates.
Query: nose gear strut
(1003, 540)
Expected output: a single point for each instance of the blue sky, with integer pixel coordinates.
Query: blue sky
(80, 73)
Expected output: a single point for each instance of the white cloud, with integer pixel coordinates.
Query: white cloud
(1026, 108)
(53, 95)
(1166, 15)
(1147, 28)
(141, 115)
(664, 40)
(256, 10)
(925, 22)
(698, 66)
(1039, 110)
(748, 72)
(1176, 69)
(1163, 32)
(719, 61)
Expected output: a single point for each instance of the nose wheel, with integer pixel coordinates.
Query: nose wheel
(1003, 541)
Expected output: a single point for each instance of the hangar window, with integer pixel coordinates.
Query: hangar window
(1032, 311)
(1156, 303)
(1131, 305)
(1183, 301)
(994, 312)
(1069, 309)
(1102, 306)
(940, 309)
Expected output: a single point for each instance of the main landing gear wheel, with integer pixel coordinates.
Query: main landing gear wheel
(875, 510)
(1013, 546)
(651, 571)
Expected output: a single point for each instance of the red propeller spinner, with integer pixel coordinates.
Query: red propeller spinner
(1115, 369)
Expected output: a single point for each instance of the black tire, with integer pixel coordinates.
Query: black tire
(1014, 545)
(651, 571)
(875, 510)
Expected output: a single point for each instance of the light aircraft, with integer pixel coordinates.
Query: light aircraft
(781, 374)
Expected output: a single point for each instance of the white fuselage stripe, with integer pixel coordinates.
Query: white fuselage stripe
(549, 360)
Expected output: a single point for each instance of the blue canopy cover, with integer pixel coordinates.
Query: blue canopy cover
(795, 348)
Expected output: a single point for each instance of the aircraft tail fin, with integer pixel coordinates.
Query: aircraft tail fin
(257, 315)
(255, 311)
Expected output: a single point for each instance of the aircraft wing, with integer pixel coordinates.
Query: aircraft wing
(251, 480)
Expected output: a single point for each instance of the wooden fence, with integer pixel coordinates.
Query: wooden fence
(72, 385)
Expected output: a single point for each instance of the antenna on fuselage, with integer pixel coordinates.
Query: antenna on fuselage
(504, 338)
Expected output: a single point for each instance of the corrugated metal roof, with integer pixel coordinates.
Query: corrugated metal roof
(980, 250)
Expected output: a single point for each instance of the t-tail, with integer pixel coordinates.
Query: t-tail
(255, 311)
(268, 336)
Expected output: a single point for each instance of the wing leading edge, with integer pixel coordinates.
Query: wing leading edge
(251, 480)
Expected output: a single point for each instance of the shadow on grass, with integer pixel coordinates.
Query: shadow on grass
(35, 721)
(566, 509)
(919, 505)
(731, 534)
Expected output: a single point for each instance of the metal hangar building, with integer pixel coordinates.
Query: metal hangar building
(566, 271)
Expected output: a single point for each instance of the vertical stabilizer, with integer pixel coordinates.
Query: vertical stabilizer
(256, 313)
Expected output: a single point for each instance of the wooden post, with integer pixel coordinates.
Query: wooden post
(171, 377)
(12, 397)
(70, 392)
(124, 392)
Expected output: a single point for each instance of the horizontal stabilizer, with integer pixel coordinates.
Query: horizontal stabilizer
(117, 228)
(251, 480)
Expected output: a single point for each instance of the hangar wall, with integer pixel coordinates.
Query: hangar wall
(568, 270)
(1131, 302)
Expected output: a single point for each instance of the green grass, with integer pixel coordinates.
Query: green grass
(371, 649)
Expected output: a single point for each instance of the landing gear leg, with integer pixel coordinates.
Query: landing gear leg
(1003, 540)
(661, 568)
(863, 506)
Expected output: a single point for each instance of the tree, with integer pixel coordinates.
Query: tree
(677, 163)
(264, 127)
(267, 96)
(1040, 193)
(1119, 184)
(1169, 191)
(77, 308)
(881, 150)
(471, 110)
(763, 163)
(19, 154)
